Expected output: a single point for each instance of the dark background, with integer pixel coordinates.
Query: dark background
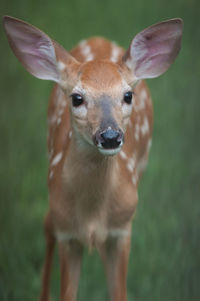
(165, 257)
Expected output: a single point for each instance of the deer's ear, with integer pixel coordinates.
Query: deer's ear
(153, 50)
(35, 50)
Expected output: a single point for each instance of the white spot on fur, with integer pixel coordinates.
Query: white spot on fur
(86, 51)
(52, 120)
(57, 159)
(59, 120)
(142, 165)
(123, 155)
(70, 134)
(143, 94)
(134, 179)
(137, 131)
(131, 164)
(145, 127)
(115, 53)
(129, 63)
(141, 105)
(141, 102)
(90, 57)
(51, 174)
(61, 66)
(60, 112)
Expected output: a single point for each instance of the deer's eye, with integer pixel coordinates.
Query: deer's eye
(128, 97)
(77, 100)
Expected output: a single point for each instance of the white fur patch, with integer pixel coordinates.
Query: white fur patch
(123, 155)
(86, 51)
(137, 131)
(51, 174)
(142, 100)
(131, 164)
(61, 66)
(143, 94)
(57, 159)
(129, 62)
(145, 126)
(141, 105)
(59, 120)
(134, 179)
(52, 119)
(142, 165)
(60, 112)
(115, 53)
(70, 134)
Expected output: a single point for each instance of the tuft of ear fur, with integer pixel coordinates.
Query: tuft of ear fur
(154, 49)
(35, 50)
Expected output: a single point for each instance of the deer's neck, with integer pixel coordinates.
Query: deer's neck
(88, 175)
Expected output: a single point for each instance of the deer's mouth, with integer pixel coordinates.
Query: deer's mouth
(109, 152)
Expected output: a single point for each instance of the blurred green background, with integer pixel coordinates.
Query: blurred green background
(165, 255)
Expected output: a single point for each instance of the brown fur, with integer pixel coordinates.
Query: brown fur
(89, 194)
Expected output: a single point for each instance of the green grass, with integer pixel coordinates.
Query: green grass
(165, 261)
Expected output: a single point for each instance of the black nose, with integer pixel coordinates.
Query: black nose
(111, 139)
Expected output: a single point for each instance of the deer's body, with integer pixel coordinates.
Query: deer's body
(100, 207)
(99, 136)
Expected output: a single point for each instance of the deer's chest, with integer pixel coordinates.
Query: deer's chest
(90, 208)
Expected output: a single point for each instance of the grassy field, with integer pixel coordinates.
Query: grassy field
(165, 255)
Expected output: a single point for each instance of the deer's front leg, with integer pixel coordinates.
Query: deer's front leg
(115, 253)
(70, 261)
(50, 244)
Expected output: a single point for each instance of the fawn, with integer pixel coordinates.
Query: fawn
(99, 136)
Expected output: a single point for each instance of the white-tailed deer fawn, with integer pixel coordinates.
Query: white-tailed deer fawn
(100, 128)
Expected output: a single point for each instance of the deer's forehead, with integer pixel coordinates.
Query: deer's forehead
(102, 77)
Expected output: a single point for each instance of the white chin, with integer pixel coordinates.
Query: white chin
(109, 152)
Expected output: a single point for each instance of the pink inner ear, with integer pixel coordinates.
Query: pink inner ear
(33, 48)
(153, 50)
